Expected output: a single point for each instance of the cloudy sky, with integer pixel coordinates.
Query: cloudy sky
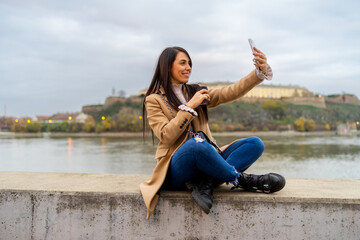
(56, 56)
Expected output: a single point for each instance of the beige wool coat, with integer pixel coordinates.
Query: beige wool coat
(172, 132)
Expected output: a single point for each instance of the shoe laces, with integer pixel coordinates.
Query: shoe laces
(253, 182)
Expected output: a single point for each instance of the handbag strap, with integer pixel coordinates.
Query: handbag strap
(208, 140)
(167, 104)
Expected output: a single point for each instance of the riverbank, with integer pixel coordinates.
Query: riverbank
(148, 134)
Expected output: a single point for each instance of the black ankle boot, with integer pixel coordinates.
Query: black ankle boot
(202, 192)
(268, 183)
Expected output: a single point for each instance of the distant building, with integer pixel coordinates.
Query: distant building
(268, 91)
(288, 93)
(68, 117)
(291, 94)
(41, 119)
(111, 100)
(4, 123)
(92, 108)
(81, 118)
(23, 120)
(348, 128)
(262, 91)
(278, 91)
(343, 98)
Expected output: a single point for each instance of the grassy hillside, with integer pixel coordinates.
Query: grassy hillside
(240, 115)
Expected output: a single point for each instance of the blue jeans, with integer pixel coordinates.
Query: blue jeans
(196, 158)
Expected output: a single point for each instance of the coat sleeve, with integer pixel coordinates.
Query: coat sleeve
(167, 131)
(234, 91)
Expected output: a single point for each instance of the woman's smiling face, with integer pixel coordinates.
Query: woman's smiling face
(181, 69)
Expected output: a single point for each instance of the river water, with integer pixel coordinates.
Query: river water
(292, 156)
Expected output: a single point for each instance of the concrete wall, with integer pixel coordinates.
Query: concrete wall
(343, 98)
(96, 206)
(311, 101)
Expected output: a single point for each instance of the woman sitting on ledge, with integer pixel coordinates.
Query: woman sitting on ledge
(176, 112)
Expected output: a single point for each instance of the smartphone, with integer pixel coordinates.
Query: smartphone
(198, 89)
(252, 45)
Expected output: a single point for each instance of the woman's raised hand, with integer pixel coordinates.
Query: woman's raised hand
(198, 98)
(260, 60)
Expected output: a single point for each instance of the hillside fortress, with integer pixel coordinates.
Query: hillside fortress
(287, 93)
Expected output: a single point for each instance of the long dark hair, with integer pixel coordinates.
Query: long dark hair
(162, 78)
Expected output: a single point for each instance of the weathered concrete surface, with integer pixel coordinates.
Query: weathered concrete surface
(98, 206)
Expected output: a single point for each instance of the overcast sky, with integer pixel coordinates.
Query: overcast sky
(56, 56)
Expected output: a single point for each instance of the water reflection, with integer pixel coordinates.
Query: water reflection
(103, 146)
(308, 157)
(69, 162)
(313, 157)
(69, 147)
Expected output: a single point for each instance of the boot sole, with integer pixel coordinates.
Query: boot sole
(204, 206)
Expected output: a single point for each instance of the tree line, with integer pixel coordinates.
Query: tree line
(237, 116)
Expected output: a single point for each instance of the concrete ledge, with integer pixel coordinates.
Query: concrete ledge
(105, 206)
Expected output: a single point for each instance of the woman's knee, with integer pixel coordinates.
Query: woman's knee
(198, 147)
(257, 143)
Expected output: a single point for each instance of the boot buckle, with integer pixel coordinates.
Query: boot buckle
(266, 188)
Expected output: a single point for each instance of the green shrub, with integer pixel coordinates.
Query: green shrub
(304, 125)
(215, 127)
(18, 127)
(89, 126)
(33, 127)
